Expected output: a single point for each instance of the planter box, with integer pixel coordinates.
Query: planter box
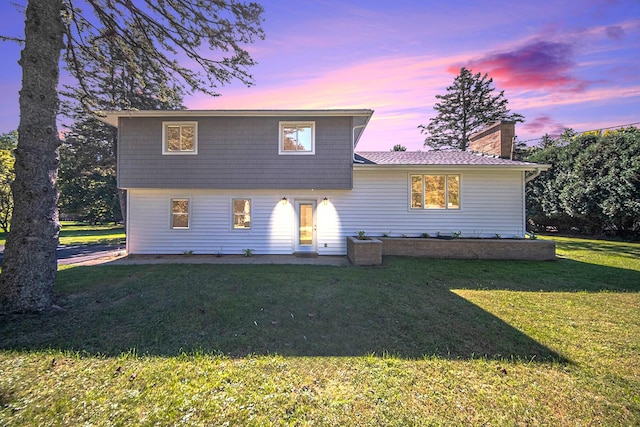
(364, 252)
(504, 249)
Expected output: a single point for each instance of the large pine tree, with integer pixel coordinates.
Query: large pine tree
(468, 105)
(200, 44)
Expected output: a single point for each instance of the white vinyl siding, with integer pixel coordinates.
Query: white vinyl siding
(209, 231)
(493, 203)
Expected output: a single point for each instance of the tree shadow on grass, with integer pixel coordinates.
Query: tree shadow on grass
(562, 275)
(620, 249)
(405, 308)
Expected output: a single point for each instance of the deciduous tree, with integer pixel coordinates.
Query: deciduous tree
(198, 43)
(8, 142)
(468, 105)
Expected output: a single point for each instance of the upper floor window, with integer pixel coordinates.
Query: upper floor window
(435, 191)
(297, 138)
(179, 138)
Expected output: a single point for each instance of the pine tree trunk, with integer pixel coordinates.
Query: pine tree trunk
(29, 267)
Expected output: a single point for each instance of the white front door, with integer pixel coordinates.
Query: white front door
(305, 226)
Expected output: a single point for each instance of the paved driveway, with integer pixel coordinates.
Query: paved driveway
(115, 255)
(77, 254)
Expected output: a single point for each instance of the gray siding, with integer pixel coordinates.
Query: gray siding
(235, 153)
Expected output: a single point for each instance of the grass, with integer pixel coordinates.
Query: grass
(413, 342)
(86, 234)
(74, 233)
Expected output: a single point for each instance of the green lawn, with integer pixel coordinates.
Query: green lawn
(73, 233)
(413, 342)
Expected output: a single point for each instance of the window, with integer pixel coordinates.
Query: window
(241, 213)
(297, 138)
(180, 138)
(435, 191)
(179, 213)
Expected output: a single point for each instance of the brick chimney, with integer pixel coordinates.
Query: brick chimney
(495, 139)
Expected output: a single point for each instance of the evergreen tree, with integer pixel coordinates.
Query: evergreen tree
(521, 150)
(209, 36)
(593, 186)
(87, 174)
(468, 105)
(399, 147)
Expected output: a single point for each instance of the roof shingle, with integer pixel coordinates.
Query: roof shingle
(435, 158)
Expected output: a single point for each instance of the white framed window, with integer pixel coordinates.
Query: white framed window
(241, 211)
(297, 138)
(179, 137)
(435, 191)
(180, 214)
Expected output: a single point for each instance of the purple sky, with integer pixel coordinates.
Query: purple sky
(561, 63)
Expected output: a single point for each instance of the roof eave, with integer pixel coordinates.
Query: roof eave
(112, 117)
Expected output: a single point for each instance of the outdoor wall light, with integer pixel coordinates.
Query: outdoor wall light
(284, 200)
(325, 201)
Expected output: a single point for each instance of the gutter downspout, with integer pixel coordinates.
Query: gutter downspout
(353, 143)
(534, 176)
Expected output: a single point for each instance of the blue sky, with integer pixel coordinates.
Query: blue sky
(561, 63)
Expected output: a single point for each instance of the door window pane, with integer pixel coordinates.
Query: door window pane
(306, 224)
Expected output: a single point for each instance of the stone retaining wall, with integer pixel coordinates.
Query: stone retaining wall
(364, 252)
(505, 249)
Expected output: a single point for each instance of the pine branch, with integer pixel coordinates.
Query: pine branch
(11, 39)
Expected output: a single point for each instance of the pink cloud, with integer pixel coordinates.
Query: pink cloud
(537, 65)
(401, 90)
(391, 82)
(615, 32)
(543, 125)
(599, 96)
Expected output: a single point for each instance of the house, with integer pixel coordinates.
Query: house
(291, 181)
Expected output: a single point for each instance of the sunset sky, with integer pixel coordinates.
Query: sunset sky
(561, 63)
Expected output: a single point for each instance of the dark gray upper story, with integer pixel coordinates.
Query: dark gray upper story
(236, 151)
